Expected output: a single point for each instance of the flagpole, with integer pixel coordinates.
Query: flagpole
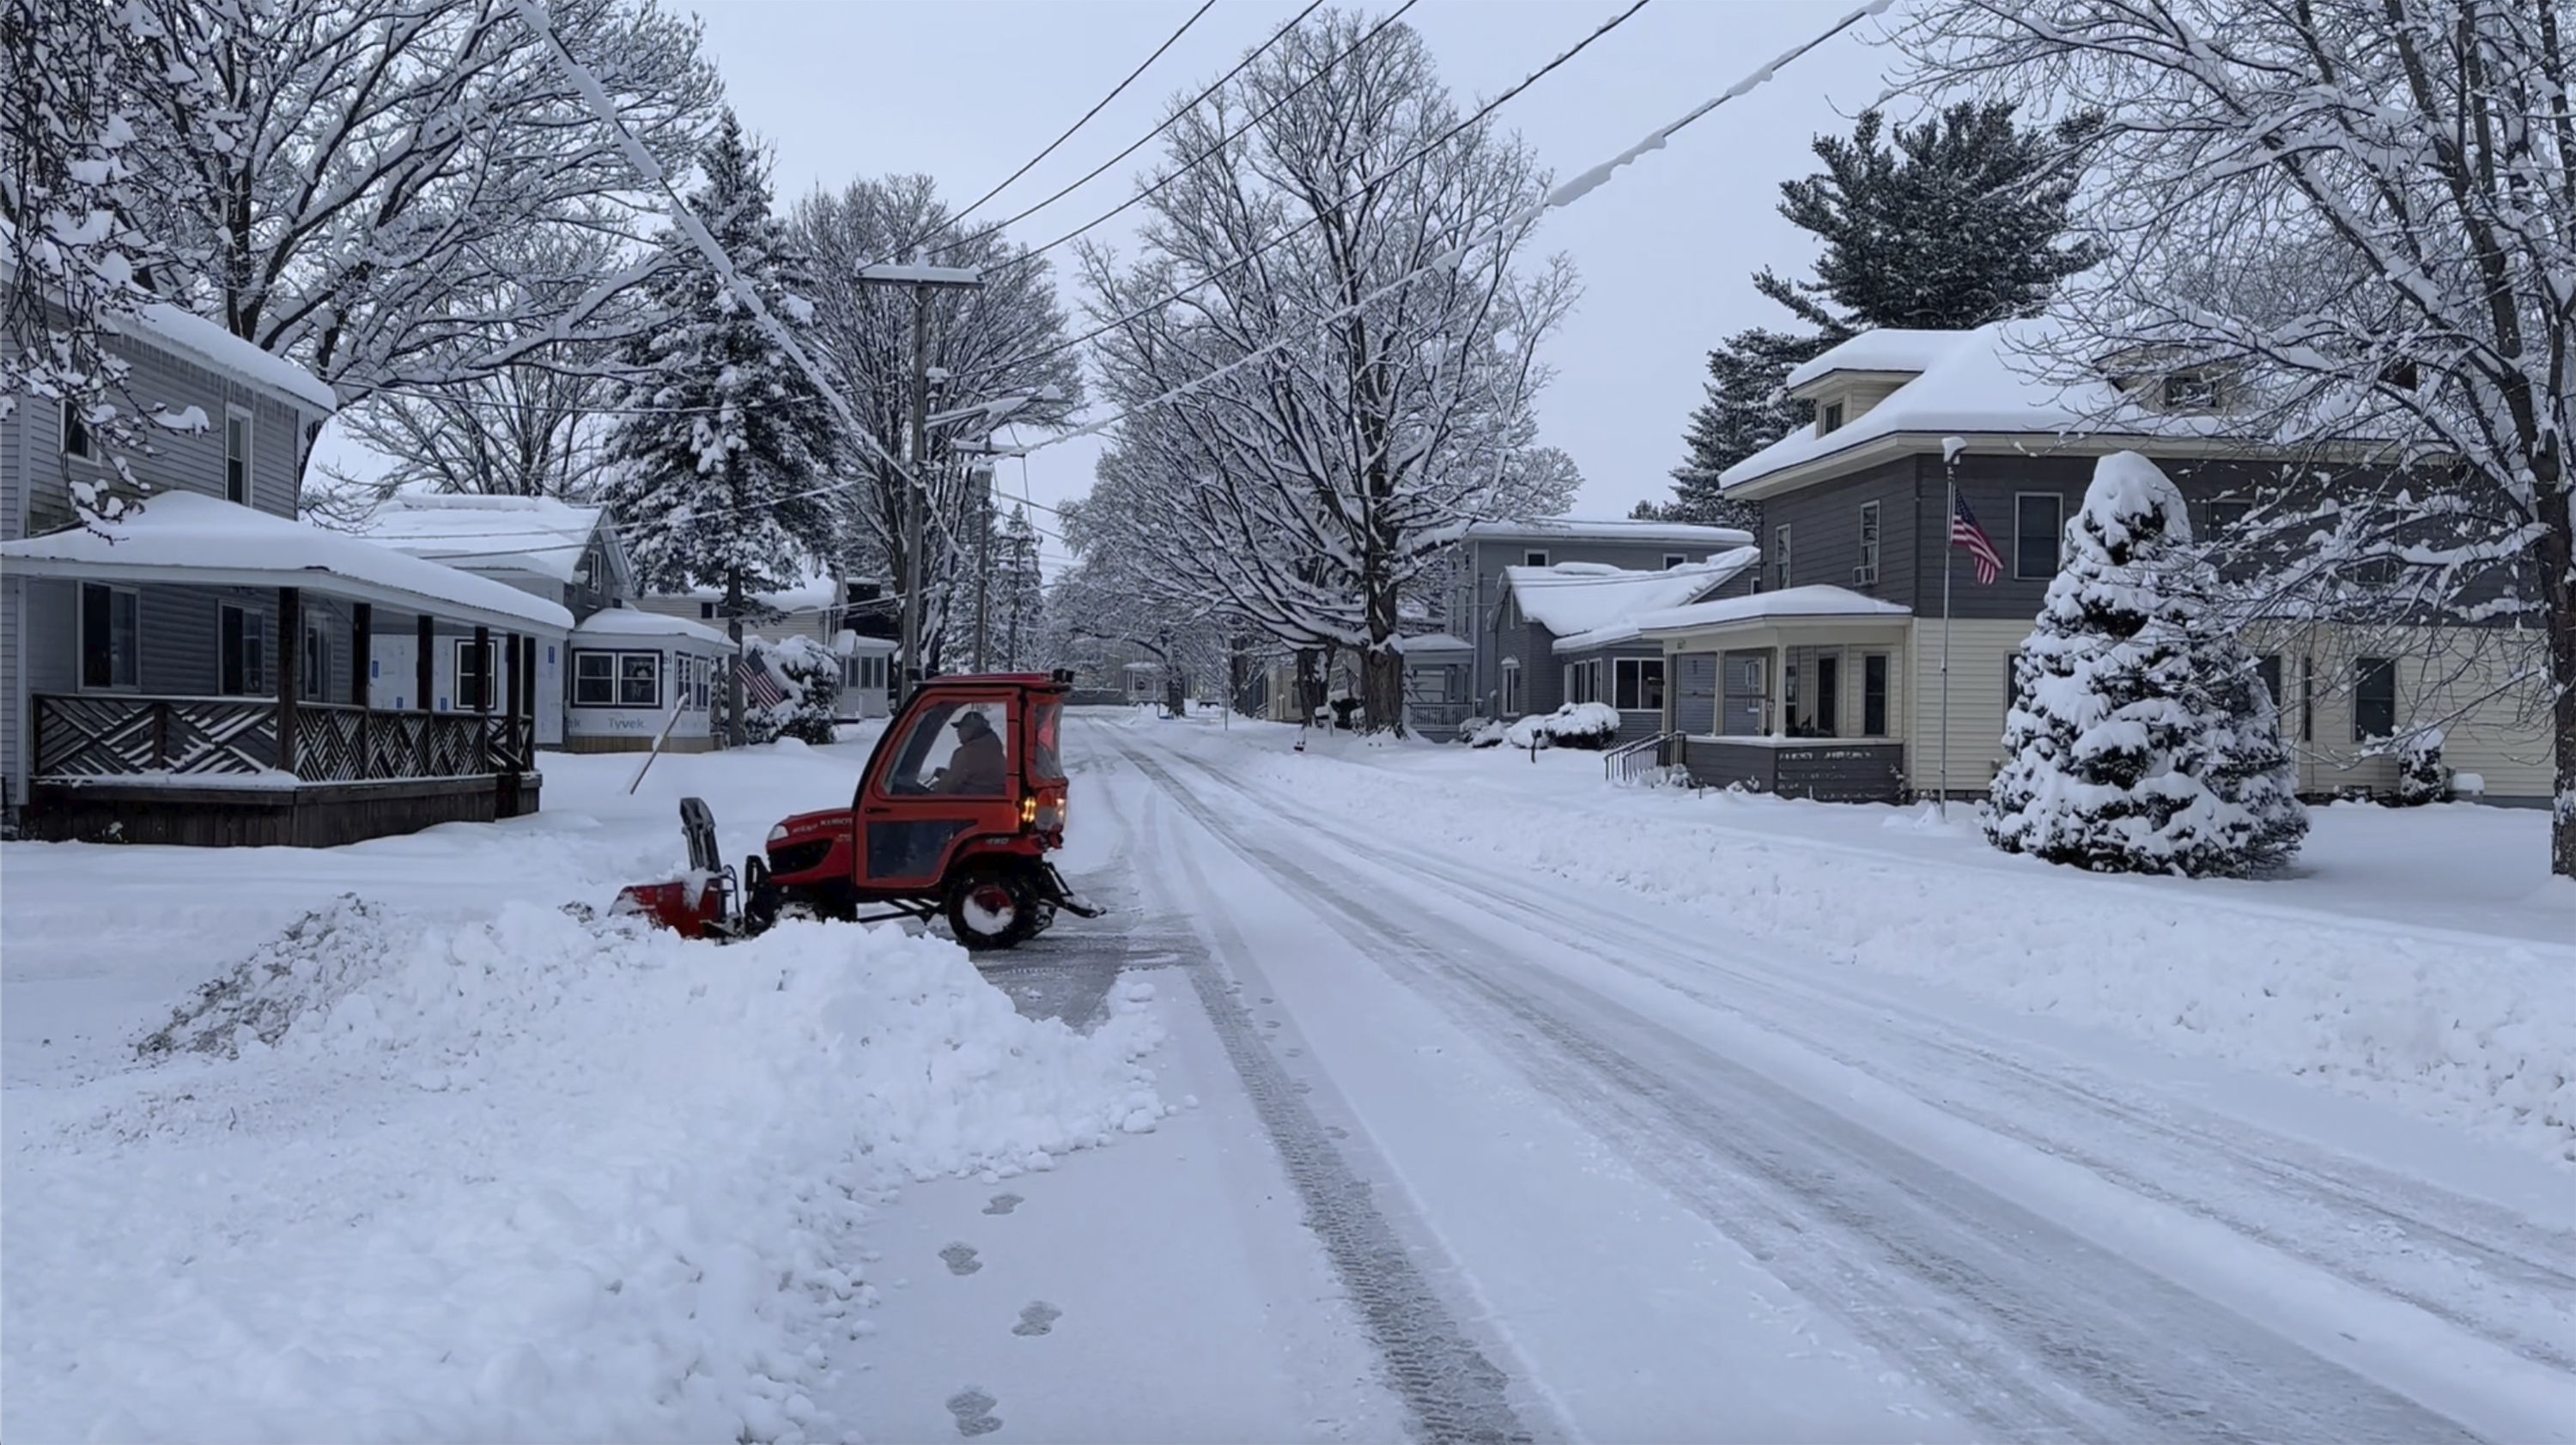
(1950, 449)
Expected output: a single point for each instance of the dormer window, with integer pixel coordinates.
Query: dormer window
(2191, 391)
(1829, 417)
(1534, 558)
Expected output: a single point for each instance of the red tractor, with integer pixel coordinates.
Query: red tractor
(960, 804)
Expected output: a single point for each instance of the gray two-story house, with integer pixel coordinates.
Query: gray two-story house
(1829, 681)
(198, 670)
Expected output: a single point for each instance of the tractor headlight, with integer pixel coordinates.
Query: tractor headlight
(777, 835)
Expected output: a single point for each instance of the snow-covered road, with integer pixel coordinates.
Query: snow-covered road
(1656, 1178)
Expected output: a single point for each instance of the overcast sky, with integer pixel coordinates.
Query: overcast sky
(967, 90)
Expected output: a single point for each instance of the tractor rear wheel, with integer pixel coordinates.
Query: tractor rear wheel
(992, 907)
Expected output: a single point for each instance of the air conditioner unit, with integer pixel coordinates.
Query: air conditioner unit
(1864, 576)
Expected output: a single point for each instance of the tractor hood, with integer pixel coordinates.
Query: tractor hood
(798, 827)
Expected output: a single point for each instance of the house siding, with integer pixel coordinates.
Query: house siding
(1824, 532)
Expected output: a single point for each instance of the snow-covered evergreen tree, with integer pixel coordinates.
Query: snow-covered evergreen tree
(2143, 739)
(729, 438)
(1019, 592)
(1946, 225)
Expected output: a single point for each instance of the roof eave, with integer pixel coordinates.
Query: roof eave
(1889, 445)
(323, 579)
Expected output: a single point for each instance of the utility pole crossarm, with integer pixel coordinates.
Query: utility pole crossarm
(913, 275)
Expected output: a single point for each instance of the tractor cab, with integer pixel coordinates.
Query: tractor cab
(961, 801)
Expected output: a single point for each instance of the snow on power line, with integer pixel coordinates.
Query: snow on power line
(1562, 196)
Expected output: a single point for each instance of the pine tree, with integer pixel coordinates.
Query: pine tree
(727, 434)
(1947, 225)
(2144, 740)
(1019, 591)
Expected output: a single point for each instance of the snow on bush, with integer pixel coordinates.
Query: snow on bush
(1575, 725)
(1483, 732)
(811, 674)
(2422, 776)
(525, 1179)
(2142, 739)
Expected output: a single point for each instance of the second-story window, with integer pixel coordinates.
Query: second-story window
(2226, 517)
(1534, 559)
(1675, 559)
(237, 457)
(1829, 417)
(1779, 559)
(1868, 570)
(2039, 520)
(2191, 391)
(76, 440)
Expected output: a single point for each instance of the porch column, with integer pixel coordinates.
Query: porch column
(425, 678)
(528, 697)
(510, 728)
(482, 670)
(290, 657)
(1777, 724)
(362, 636)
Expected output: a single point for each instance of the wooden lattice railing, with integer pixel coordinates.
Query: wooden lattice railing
(111, 735)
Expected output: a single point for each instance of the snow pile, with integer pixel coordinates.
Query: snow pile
(1575, 725)
(524, 1179)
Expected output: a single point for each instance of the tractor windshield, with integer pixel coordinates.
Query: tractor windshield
(1046, 715)
(956, 748)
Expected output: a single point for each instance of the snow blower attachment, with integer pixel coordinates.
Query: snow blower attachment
(961, 801)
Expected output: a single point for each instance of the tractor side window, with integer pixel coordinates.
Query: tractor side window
(961, 750)
(1045, 762)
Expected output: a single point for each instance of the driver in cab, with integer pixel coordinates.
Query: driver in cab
(978, 768)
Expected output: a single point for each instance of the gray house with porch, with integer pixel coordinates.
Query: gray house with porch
(1568, 633)
(198, 670)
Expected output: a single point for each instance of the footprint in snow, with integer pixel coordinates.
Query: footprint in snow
(974, 1411)
(961, 1259)
(1004, 1204)
(1037, 1319)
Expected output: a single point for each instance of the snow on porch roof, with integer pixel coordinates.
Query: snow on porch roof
(1813, 601)
(1585, 599)
(184, 538)
(486, 534)
(1622, 529)
(1426, 643)
(629, 622)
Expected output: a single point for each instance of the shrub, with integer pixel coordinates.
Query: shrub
(2422, 776)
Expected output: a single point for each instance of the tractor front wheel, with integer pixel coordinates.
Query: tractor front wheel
(992, 907)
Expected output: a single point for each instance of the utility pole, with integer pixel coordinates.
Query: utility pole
(983, 494)
(923, 280)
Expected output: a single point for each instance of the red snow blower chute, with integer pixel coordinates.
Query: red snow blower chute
(961, 801)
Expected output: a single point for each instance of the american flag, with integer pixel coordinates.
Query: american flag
(1964, 532)
(758, 683)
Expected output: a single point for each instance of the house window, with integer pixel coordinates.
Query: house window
(75, 433)
(698, 685)
(2268, 667)
(1830, 417)
(1867, 573)
(1640, 682)
(241, 637)
(237, 457)
(2374, 698)
(639, 679)
(2191, 391)
(111, 637)
(2012, 681)
(473, 675)
(2039, 523)
(2307, 699)
(313, 665)
(594, 678)
(1780, 559)
(1534, 559)
(2226, 517)
(1873, 695)
(1676, 559)
(706, 611)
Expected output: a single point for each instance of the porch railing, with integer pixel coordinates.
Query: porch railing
(1632, 763)
(107, 735)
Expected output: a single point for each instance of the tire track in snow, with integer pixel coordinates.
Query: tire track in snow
(2031, 1330)
(2391, 1243)
(1452, 1390)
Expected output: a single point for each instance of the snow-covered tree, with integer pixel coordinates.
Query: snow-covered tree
(351, 183)
(73, 251)
(1019, 593)
(1332, 432)
(1004, 338)
(724, 442)
(2142, 738)
(1945, 225)
(2358, 219)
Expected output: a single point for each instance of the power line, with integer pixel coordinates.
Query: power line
(1562, 196)
(1392, 169)
(1115, 91)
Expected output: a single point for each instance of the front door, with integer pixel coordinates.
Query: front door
(949, 773)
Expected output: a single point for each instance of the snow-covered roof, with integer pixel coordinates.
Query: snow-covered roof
(190, 538)
(211, 343)
(1816, 601)
(850, 643)
(628, 622)
(1621, 529)
(810, 592)
(1889, 348)
(1427, 642)
(1587, 604)
(1996, 379)
(537, 535)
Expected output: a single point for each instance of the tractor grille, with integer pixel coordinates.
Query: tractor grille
(797, 857)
